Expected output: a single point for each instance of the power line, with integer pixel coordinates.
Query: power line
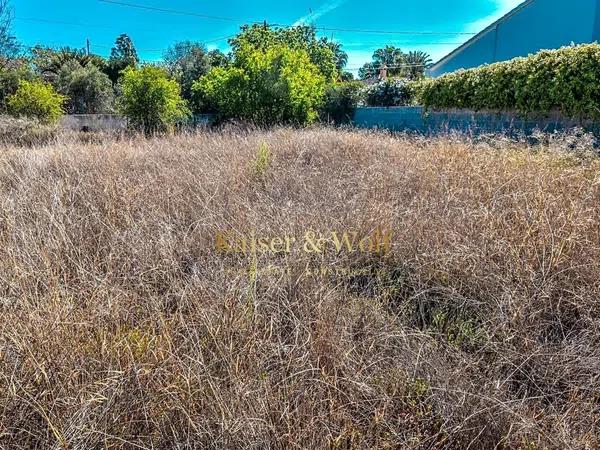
(397, 66)
(232, 19)
(415, 33)
(394, 42)
(60, 22)
(344, 42)
(173, 11)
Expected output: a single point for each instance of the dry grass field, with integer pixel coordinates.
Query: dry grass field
(126, 323)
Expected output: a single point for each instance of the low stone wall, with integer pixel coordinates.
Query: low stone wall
(416, 119)
(94, 122)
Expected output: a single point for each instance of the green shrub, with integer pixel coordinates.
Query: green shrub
(151, 100)
(9, 82)
(341, 101)
(38, 100)
(563, 80)
(265, 87)
(390, 92)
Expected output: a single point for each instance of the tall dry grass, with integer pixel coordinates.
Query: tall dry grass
(123, 328)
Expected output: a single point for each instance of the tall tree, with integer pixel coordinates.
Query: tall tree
(409, 65)
(391, 58)
(8, 43)
(124, 50)
(304, 37)
(416, 62)
(265, 86)
(122, 55)
(88, 89)
(368, 70)
(48, 62)
(341, 57)
(218, 58)
(187, 62)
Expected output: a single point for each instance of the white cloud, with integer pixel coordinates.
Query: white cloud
(502, 7)
(327, 7)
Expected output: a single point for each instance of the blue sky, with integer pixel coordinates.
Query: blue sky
(72, 22)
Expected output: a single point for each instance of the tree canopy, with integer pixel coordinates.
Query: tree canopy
(122, 55)
(409, 65)
(89, 90)
(326, 55)
(187, 61)
(277, 84)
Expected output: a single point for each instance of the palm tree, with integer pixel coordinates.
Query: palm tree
(49, 61)
(416, 62)
(390, 57)
(368, 70)
(341, 57)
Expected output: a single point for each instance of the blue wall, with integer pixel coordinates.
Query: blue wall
(415, 119)
(534, 26)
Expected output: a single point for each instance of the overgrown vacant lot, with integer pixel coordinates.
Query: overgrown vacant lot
(122, 326)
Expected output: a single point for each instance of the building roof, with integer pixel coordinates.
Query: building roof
(479, 35)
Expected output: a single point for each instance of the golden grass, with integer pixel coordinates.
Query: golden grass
(122, 327)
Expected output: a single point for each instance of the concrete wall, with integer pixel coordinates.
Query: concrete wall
(415, 119)
(93, 122)
(114, 122)
(533, 26)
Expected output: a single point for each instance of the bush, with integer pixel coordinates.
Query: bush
(9, 82)
(151, 100)
(390, 92)
(89, 90)
(26, 132)
(341, 101)
(38, 100)
(563, 80)
(266, 87)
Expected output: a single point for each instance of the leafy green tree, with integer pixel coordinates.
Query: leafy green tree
(347, 76)
(391, 58)
(122, 56)
(151, 100)
(89, 89)
(304, 37)
(368, 70)
(341, 57)
(218, 58)
(187, 62)
(409, 65)
(415, 64)
(38, 100)
(265, 86)
(9, 80)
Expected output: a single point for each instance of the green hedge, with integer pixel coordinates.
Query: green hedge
(565, 80)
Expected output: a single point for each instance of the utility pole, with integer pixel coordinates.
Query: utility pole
(87, 46)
